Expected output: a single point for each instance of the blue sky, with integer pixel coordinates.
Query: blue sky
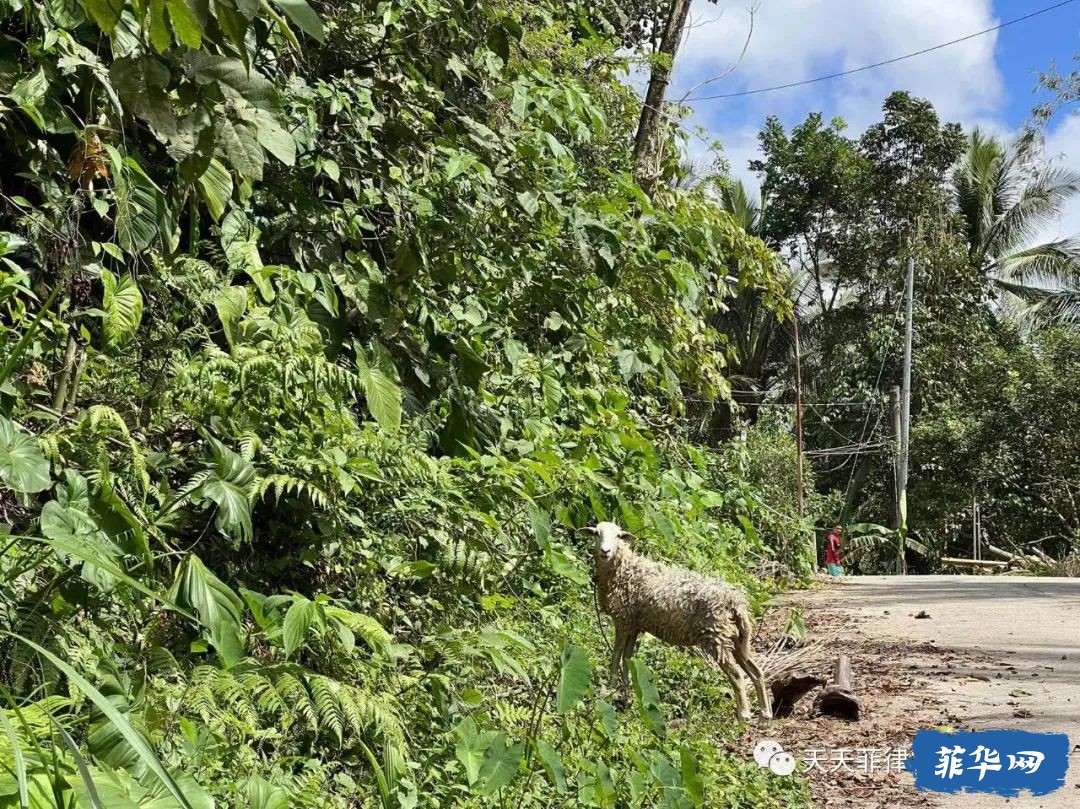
(985, 82)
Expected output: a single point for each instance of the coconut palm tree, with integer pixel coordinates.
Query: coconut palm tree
(747, 208)
(1006, 198)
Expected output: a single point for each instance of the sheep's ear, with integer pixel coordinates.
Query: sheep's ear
(589, 529)
(628, 538)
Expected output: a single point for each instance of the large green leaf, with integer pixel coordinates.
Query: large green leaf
(691, 776)
(261, 794)
(160, 35)
(574, 676)
(381, 388)
(67, 13)
(186, 25)
(218, 607)
(230, 485)
(142, 82)
(141, 214)
(648, 699)
(215, 187)
(553, 765)
(501, 762)
(298, 620)
(232, 77)
(238, 145)
(71, 527)
(273, 137)
(240, 240)
(118, 521)
(133, 737)
(23, 467)
(302, 14)
(231, 303)
(469, 749)
(117, 789)
(123, 306)
(36, 97)
(106, 13)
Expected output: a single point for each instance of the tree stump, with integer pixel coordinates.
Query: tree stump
(789, 689)
(838, 698)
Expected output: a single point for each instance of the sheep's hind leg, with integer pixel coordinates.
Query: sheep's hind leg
(744, 656)
(723, 659)
(753, 671)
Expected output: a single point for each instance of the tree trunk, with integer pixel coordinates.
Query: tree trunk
(64, 378)
(647, 144)
(789, 689)
(838, 698)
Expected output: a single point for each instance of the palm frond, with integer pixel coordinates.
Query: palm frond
(1052, 265)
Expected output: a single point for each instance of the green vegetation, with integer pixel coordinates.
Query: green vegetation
(324, 327)
(322, 332)
(994, 319)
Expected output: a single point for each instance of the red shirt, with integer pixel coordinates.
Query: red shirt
(832, 550)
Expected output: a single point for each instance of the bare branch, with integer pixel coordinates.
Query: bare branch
(735, 66)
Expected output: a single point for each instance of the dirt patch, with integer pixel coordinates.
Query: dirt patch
(858, 764)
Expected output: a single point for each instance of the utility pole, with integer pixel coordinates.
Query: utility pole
(798, 418)
(897, 437)
(799, 430)
(905, 394)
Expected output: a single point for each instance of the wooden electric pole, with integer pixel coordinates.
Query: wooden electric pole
(897, 432)
(798, 419)
(905, 395)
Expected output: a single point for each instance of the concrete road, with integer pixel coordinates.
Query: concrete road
(1028, 627)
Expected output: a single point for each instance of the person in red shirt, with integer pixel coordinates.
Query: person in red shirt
(834, 552)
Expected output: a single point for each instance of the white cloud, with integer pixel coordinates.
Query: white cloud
(795, 40)
(1061, 149)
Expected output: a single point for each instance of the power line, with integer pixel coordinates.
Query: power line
(862, 433)
(774, 404)
(884, 63)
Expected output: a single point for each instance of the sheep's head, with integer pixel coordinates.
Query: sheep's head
(611, 541)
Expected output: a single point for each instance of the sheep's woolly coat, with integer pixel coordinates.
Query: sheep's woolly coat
(677, 606)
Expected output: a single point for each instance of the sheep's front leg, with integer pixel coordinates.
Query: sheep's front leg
(625, 646)
(617, 667)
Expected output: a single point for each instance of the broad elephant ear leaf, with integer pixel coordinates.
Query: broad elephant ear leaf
(217, 606)
(574, 676)
(23, 467)
(304, 16)
(298, 620)
(230, 484)
(123, 306)
(381, 389)
(647, 697)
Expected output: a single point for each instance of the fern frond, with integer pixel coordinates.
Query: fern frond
(99, 414)
(260, 366)
(324, 693)
(250, 443)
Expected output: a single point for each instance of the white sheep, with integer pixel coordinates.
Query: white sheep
(678, 607)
